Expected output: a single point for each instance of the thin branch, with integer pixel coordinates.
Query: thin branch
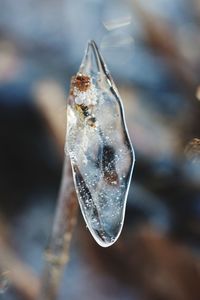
(57, 255)
(50, 99)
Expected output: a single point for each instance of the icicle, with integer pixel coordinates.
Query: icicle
(99, 146)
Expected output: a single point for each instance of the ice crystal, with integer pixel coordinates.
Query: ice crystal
(99, 146)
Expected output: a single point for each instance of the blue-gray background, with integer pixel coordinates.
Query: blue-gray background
(152, 49)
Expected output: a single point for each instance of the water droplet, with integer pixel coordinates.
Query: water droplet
(103, 181)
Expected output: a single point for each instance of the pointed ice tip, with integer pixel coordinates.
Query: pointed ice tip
(92, 63)
(92, 46)
(92, 43)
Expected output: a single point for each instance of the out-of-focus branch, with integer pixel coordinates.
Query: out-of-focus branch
(160, 37)
(51, 102)
(17, 274)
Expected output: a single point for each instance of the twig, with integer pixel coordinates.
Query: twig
(50, 99)
(57, 255)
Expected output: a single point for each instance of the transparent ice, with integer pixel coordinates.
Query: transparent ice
(99, 147)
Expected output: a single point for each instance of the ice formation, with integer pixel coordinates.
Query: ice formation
(99, 147)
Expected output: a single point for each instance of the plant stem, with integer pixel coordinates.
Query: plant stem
(57, 254)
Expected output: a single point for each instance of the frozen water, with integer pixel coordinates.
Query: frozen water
(100, 150)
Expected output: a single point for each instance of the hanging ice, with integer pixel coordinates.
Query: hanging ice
(100, 150)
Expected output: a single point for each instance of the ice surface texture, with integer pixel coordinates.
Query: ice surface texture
(99, 147)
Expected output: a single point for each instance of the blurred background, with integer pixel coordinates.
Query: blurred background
(152, 49)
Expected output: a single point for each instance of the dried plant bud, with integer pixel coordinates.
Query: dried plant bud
(82, 82)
